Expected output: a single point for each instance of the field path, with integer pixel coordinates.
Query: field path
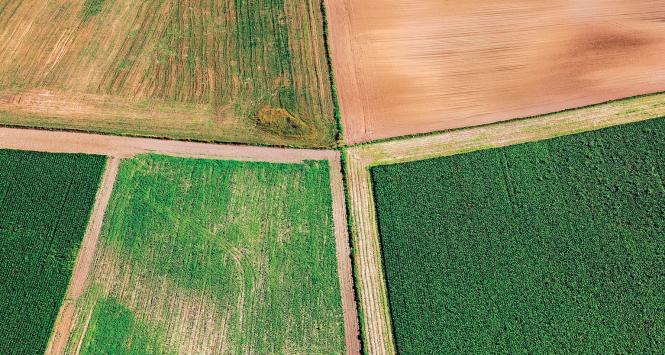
(63, 323)
(125, 147)
(372, 295)
(117, 148)
(351, 327)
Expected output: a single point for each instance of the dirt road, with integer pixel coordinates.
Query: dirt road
(405, 67)
(372, 296)
(124, 147)
(64, 320)
(343, 246)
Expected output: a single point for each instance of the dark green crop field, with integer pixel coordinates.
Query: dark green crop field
(552, 246)
(45, 203)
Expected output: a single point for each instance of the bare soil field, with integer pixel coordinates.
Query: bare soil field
(375, 316)
(223, 71)
(407, 67)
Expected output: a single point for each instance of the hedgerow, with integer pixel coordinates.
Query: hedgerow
(552, 246)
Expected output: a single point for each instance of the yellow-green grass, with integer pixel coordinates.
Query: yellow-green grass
(216, 257)
(240, 71)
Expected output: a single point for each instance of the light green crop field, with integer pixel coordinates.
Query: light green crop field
(214, 256)
(212, 70)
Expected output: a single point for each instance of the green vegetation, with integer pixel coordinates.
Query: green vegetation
(226, 256)
(92, 8)
(552, 246)
(113, 330)
(45, 204)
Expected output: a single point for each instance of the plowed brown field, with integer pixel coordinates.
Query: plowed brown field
(406, 67)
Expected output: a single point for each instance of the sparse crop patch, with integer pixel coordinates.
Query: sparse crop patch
(92, 8)
(548, 246)
(217, 257)
(45, 204)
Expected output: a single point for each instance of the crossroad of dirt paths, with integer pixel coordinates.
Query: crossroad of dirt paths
(377, 331)
(118, 148)
(378, 338)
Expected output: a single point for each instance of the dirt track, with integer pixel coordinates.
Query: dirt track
(343, 246)
(367, 258)
(405, 67)
(63, 323)
(125, 147)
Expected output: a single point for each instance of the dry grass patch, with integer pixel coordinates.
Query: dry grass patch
(181, 69)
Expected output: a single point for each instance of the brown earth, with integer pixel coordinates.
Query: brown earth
(123, 147)
(373, 299)
(406, 67)
(343, 247)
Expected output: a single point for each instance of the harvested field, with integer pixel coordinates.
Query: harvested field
(549, 246)
(375, 317)
(237, 257)
(251, 72)
(406, 67)
(45, 204)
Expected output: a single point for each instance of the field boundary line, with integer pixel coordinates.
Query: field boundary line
(343, 247)
(126, 147)
(63, 323)
(514, 132)
(372, 290)
(437, 132)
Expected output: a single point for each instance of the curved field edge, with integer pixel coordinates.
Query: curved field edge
(46, 202)
(375, 322)
(158, 279)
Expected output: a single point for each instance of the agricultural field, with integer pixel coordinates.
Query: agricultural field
(548, 246)
(45, 204)
(408, 67)
(224, 71)
(214, 256)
